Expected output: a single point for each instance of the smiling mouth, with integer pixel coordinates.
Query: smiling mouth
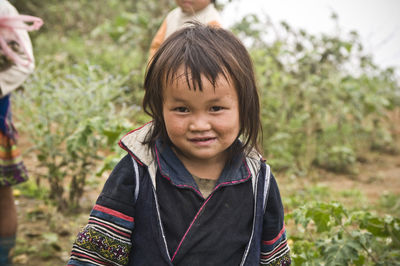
(201, 139)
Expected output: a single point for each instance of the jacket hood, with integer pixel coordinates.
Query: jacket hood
(133, 144)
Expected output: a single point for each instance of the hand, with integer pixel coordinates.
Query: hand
(5, 62)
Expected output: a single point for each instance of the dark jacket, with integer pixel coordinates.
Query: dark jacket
(151, 212)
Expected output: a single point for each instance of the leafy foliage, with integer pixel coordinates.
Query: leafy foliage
(332, 235)
(324, 102)
(69, 115)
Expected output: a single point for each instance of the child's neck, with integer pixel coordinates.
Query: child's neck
(210, 170)
(205, 171)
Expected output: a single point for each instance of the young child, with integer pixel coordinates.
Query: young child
(192, 189)
(202, 11)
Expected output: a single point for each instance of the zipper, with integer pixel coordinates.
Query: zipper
(160, 224)
(246, 252)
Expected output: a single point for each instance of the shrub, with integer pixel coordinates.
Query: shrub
(70, 116)
(330, 234)
(323, 99)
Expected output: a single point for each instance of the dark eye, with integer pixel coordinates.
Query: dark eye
(181, 109)
(216, 108)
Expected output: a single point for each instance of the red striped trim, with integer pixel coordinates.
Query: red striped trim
(112, 212)
(270, 242)
(88, 257)
(284, 244)
(110, 227)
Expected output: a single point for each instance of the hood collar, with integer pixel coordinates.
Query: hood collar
(173, 169)
(133, 144)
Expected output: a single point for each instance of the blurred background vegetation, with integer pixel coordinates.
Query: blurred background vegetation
(326, 106)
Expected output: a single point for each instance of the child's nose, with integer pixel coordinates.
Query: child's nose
(200, 123)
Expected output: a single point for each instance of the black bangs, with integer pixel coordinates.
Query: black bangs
(196, 58)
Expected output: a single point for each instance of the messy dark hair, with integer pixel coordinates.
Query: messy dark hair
(210, 52)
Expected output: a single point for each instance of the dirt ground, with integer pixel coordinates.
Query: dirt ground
(380, 175)
(45, 237)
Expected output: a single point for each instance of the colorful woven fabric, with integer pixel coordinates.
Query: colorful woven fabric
(276, 251)
(281, 261)
(12, 169)
(105, 240)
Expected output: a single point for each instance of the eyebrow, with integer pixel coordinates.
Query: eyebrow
(213, 100)
(176, 99)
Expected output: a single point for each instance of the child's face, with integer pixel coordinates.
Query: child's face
(191, 6)
(201, 124)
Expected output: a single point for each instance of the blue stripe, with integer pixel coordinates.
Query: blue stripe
(80, 263)
(113, 219)
(269, 248)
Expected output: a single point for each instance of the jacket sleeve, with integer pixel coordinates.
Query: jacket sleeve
(274, 247)
(106, 239)
(16, 74)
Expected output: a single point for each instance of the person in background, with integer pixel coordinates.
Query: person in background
(202, 11)
(16, 64)
(193, 188)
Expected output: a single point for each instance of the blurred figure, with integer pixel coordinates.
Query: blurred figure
(202, 11)
(16, 64)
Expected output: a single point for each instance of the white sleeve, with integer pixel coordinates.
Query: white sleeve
(14, 76)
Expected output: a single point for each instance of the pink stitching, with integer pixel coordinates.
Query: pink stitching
(169, 179)
(201, 208)
(190, 226)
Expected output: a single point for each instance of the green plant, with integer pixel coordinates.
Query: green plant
(338, 159)
(68, 115)
(389, 203)
(323, 99)
(329, 234)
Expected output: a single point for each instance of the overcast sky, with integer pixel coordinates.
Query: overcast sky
(376, 21)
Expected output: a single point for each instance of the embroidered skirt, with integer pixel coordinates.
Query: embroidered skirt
(12, 169)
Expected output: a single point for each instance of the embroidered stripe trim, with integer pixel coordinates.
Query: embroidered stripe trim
(282, 252)
(112, 212)
(96, 245)
(109, 226)
(78, 262)
(80, 255)
(110, 234)
(266, 255)
(124, 229)
(282, 260)
(126, 225)
(271, 242)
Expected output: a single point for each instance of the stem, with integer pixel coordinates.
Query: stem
(362, 245)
